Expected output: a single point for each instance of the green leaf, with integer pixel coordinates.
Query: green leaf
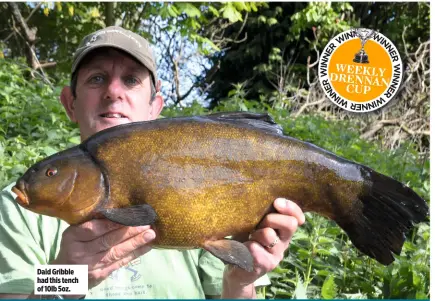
(323, 273)
(324, 252)
(262, 19)
(74, 140)
(59, 6)
(300, 290)
(325, 240)
(272, 21)
(420, 295)
(71, 10)
(254, 6)
(329, 289)
(189, 9)
(230, 13)
(243, 107)
(240, 6)
(213, 10)
(173, 11)
(48, 150)
(416, 278)
(95, 13)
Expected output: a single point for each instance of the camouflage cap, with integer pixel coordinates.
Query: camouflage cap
(120, 38)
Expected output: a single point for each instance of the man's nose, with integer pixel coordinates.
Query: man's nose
(114, 89)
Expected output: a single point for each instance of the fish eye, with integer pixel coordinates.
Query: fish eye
(51, 172)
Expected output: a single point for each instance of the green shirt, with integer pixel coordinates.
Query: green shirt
(27, 239)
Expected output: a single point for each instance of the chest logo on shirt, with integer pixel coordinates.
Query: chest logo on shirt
(134, 274)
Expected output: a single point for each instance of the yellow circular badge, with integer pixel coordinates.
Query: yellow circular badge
(360, 70)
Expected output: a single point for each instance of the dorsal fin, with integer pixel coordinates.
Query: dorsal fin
(258, 120)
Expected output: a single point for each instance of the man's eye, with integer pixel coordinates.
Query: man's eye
(97, 79)
(131, 81)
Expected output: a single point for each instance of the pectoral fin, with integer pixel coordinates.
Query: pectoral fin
(232, 252)
(139, 215)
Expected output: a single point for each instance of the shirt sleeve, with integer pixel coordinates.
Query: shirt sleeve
(212, 269)
(22, 244)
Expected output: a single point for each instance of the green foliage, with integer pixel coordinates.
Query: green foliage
(408, 19)
(329, 289)
(320, 249)
(229, 11)
(60, 26)
(324, 17)
(33, 123)
(278, 34)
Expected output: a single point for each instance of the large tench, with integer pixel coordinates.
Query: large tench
(199, 180)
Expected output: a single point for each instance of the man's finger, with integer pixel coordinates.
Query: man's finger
(264, 236)
(92, 229)
(284, 224)
(123, 249)
(113, 238)
(287, 207)
(263, 260)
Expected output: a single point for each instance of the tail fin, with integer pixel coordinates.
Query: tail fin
(389, 210)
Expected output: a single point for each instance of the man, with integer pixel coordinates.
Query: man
(114, 81)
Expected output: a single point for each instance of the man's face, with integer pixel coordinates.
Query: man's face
(112, 89)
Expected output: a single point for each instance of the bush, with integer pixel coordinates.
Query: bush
(33, 122)
(322, 262)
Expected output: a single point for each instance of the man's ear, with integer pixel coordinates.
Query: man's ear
(158, 103)
(67, 100)
(156, 106)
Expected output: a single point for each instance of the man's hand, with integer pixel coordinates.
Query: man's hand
(267, 245)
(104, 246)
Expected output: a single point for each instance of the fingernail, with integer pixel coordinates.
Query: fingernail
(281, 203)
(149, 235)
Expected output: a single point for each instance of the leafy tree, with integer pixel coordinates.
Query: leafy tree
(293, 33)
(278, 32)
(48, 34)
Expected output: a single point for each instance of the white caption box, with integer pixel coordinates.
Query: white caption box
(60, 279)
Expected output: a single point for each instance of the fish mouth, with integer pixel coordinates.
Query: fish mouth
(19, 190)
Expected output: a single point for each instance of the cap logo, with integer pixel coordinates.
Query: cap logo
(95, 36)
(93, 39)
